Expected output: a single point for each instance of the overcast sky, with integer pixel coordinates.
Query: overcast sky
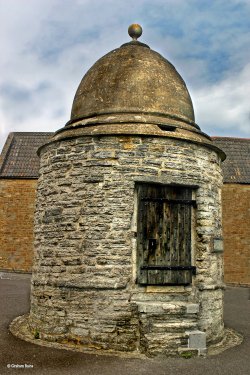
(48, 45)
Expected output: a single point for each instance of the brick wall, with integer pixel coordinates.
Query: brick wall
(236, 232)
(17, 200)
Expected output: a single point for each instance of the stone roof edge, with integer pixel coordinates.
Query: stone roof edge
(211, 145)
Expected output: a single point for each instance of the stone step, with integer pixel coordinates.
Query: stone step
(163, 308)
(173, 326)
(172, 342)
(165, 325)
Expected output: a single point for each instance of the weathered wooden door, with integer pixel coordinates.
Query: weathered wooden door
(164, 234)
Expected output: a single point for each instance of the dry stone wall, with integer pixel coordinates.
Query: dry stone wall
(84, 279)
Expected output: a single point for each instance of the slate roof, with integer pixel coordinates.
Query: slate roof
(236, 167)
(18, 158)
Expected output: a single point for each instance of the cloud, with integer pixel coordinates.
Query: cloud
(223, 108)
(48, 45)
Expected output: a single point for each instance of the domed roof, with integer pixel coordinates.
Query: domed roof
(133, 90)
(133, 79)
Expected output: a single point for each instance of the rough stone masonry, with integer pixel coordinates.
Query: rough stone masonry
(132, 123)
(84, 278)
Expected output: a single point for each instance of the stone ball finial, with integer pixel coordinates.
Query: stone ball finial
(135, 31)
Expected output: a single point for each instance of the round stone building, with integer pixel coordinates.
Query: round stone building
(128, 234)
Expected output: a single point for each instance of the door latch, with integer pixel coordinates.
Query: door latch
(152, 244)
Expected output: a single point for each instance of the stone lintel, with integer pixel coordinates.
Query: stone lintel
(166, 289)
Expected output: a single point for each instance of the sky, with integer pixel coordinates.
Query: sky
(48, 45)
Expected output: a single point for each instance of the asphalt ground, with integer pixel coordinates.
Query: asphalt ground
(20, 357)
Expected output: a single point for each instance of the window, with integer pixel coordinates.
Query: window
(164, 235)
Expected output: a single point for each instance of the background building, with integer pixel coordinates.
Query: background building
(236, 209)
(19, 170)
